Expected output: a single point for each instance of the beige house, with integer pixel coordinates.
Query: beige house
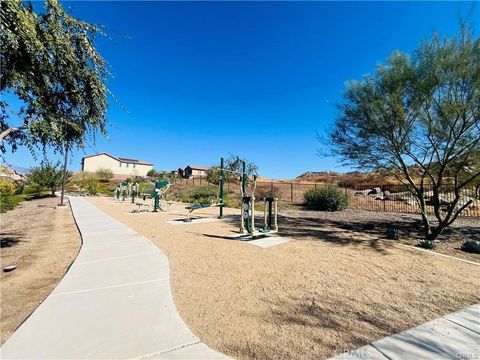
(118, 165)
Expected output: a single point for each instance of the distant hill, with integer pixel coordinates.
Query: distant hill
(351, 178)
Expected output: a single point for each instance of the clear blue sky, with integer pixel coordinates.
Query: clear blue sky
(205, 79)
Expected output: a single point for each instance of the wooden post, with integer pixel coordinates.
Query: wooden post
(291, 192)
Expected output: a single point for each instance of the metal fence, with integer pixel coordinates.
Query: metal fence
(390, 198)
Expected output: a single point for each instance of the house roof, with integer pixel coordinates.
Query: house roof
(121, 159)
(196, 167)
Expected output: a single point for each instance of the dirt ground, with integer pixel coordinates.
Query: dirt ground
(43, 241)
(328, 291)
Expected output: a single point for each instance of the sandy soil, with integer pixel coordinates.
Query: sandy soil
(327, 292)
(43, 242)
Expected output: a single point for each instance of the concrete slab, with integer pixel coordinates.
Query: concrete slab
(109, 251)
(438, 339)
(367, 352)
(269, 241)
(191, 352)
(469, 318)
(128, 270)
(194, 221)
(105, 237)
(113, 323)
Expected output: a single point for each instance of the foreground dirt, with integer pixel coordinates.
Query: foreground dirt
(43, 241)
(328, 291)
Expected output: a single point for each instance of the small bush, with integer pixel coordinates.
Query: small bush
(471, 246)
(198, 194)
(8, 199)
(427, 244)
(346, 226)
(104, 175)
(392, 232)
(328, 198)
(7, 188)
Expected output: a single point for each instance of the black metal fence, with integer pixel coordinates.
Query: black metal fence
(390, 198)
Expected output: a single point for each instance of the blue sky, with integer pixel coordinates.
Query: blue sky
(205, 79)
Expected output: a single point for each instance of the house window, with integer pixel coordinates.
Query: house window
(127, 164)
(119, 164)
(134, 166)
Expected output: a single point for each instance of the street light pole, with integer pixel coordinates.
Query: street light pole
(64, 180)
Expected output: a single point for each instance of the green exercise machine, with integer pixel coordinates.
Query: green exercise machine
(161, 188)
(247, 215)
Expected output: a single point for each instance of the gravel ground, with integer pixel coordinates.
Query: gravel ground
(43, 241)
(327, 291)
(408, 225)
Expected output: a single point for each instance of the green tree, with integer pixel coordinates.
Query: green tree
(48, 175)
(50, 64)
(419, 116)
(234, 165)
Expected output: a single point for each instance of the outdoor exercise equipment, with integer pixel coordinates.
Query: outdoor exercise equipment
(124, 189)
(161, 188)
(247, 213)
(133, 191)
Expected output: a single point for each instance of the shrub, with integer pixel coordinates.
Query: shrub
(8, 199)
(104, 175)
(91, 186)
(328, 198)
(198, 194)
(7, 188)
(471, 246)
(427, 244)
(392, 232)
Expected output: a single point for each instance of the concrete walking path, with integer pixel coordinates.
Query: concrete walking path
(454, 336)
(114, 302)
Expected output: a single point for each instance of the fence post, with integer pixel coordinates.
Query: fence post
(291, 192)
(384, 200)
(315, 186)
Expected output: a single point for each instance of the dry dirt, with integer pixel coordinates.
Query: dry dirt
(43, 241)
(328, 291)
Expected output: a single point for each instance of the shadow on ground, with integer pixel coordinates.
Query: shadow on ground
(9, 239)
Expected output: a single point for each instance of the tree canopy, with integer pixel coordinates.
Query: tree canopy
(50, 64)
(419, 116)
(48, 175)
(234, 164)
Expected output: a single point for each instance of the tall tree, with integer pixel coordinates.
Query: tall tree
(48, 175)
(419, 116)
(50, 64)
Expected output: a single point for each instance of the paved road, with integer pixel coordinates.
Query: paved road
(454, 336)
(114, 302)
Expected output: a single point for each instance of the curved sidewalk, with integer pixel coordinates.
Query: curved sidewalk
(114, 302)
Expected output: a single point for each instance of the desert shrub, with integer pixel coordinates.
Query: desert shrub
(328, 198)
(104, 175)
(392, 232)
(198, 194)
(8, 199)
(427, 244)
(91, 186)
(471, 246)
